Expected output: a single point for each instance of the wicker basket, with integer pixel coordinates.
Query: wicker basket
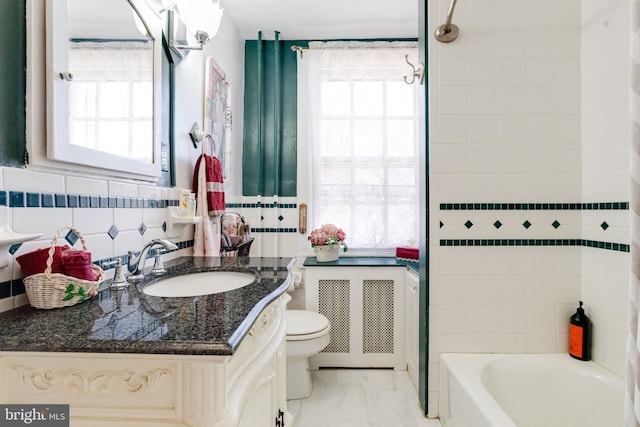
(55, 290)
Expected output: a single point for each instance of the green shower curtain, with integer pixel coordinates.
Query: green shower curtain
(269, 156)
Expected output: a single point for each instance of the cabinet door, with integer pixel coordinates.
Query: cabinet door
(412, 302)
(258, 411)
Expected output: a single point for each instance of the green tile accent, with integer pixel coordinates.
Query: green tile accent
(621, 247)
(534, 206)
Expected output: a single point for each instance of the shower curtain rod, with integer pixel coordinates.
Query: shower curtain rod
(447, 32)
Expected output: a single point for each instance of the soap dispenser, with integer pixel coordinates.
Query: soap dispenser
(580, 335)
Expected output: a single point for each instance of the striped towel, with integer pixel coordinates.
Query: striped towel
(215, 184)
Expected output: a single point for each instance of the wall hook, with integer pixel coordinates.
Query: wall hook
(416, 72)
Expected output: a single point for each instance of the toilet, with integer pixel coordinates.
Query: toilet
(307, 334)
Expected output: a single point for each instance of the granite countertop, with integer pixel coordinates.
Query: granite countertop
(128, 321)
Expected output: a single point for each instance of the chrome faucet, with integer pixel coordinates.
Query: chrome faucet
(135, 265)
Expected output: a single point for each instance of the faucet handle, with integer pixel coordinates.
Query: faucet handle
(118, 281)
(158, 268)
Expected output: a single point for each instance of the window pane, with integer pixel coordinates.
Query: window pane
(402, 224)
(368, 98)
(143, 100)
(402, 177)
(368, 138)
(400, 99)
(369, 176)
(335, 98)
(368, 230)
(401, 138)
(334, 138)
(334, 175)
(142, 141)
(113, 137)
(82, 99)
(82, 133)
(114, 99)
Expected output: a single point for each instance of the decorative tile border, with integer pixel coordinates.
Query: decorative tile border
(536, 242)
(511, 207)
(262, 205)
(273, 230)
(534, 206)
(20, 199)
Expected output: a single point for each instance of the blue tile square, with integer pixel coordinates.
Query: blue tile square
(46, 200)
(3, 198)
(113, 232)
(73, 200)
(71, 237)
(16, 199)
(112, 202)
(127, 202)
(33, 200)
(94, 201)
(104, 202)
(17, 287)
(5, 289)
(84, 201)
(61, 200)
(120, 202)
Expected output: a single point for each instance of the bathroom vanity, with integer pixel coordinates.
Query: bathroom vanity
(125, 358)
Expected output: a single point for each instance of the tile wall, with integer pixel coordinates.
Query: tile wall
(605, 170)
(528, 191)
(116, 217)
(112, 217)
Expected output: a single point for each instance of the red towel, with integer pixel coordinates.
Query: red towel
(215, 185)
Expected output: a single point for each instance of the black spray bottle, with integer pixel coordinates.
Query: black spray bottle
(580, 335)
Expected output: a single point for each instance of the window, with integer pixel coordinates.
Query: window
(111, 98)
(362, 131)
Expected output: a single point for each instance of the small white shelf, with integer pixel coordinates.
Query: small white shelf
(176, 222)
(8, 237)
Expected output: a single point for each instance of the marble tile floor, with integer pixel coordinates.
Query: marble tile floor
(360, 398)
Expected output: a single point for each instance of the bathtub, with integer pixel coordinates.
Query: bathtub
(527, 390)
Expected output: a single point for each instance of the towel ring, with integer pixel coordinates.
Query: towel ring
(214, 151)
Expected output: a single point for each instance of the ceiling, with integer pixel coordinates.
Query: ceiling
(324, 20)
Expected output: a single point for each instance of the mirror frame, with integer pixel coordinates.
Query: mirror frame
(58, 147)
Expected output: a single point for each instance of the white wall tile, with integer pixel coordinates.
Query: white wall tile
(127, 219)
(79, 185)
(16, 179)
(123, 189)
(40, 220)
(92, 221)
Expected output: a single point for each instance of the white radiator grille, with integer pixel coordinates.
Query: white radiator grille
(377, 316)
(334, 303)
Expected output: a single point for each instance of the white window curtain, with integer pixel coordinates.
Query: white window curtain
(362, 133)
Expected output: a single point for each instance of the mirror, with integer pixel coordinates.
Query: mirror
(103, 84)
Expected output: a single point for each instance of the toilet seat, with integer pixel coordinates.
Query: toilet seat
(305, 325)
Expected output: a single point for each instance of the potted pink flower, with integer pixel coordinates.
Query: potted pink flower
(327, 241)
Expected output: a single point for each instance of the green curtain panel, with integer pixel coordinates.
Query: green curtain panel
(13, 83)
(269, 156)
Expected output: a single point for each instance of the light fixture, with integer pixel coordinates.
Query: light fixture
(189, 20)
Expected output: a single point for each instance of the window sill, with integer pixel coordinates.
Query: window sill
(362, 261)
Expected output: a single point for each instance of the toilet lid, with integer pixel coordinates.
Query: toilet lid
(302, 322)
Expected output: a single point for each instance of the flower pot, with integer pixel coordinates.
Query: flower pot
(325, 253)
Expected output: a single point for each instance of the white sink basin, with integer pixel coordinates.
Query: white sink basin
(191, 285)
